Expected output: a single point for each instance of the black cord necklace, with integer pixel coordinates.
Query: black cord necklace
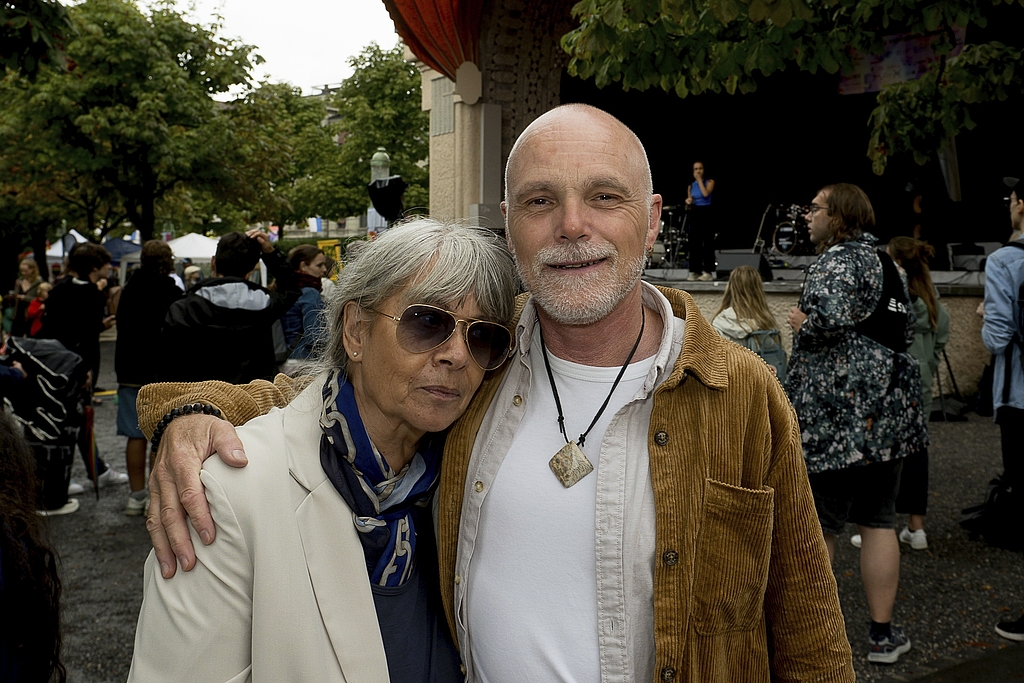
(570, 464)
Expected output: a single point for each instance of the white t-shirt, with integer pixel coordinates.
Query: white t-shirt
(532, 595)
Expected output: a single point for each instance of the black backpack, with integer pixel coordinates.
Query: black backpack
(887, 324)
(997, 520)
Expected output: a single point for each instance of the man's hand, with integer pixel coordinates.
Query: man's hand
(108, 322)
(265, 244)
(176, 491)
(796, 318)
(18, 366)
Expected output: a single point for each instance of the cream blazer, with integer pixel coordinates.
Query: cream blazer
(283, 593)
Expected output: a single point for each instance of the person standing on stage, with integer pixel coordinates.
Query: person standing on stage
(702, 227)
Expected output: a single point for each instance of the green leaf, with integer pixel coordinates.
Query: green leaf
(726, 11)
(611, 15)
(781, 12)
(757, 10)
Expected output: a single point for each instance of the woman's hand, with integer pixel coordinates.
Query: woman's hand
(176, 491)
(796, 318)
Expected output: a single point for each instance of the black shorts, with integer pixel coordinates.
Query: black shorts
(862, 494)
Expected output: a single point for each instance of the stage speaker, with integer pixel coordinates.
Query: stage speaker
(730, 259)
(966, 256)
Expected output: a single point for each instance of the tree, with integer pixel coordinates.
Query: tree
(33, 33)
(133, 119)
(288, 147)
(378, 106)
(695, 46)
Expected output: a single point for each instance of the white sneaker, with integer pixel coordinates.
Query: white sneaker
(136, 506)
(112, 477)
(692, 277)
(917, 540)
(706, 277)
(855, 540)
(75, 489)
(69, 507)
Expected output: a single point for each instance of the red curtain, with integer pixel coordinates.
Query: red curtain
(441, 33)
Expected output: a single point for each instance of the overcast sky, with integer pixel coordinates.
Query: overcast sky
(305, 42)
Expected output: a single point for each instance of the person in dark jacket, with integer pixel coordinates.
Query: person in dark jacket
(222, 329)
(857, 394)
(144, 303)
(301, 324)
(75, 316)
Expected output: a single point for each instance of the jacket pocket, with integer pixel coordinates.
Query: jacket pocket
(733, 552)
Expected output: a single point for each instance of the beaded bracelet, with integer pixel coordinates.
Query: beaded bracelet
(187, 409)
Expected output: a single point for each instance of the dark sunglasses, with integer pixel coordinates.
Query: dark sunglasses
(423, 327)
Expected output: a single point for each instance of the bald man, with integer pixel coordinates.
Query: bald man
(625, 500)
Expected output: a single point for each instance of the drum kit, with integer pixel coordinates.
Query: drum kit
(671, 248)
(790, 237)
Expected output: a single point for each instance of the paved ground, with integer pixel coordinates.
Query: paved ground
(950, 595)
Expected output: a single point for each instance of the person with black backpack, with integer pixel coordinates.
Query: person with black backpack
(857, 393)
(1003, 335)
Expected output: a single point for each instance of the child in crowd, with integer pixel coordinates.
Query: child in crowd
(34, 315)
(745, 319)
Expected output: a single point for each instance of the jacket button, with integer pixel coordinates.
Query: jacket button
(661, 438)
(668, 674)
(458, 579)
(478, 487)
(670, 557)
(462, 669)
(517, 400)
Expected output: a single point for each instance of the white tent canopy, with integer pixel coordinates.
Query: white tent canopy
(194, 246)
(56, 250)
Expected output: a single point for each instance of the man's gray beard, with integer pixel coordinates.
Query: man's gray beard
(578, 300)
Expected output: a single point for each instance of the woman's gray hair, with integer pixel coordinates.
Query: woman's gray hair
(441, 263)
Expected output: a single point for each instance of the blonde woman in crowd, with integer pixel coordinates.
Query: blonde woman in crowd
(743, 317)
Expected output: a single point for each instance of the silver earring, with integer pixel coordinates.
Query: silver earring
(355, 353)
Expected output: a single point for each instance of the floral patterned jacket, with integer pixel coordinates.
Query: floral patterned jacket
(858, 401)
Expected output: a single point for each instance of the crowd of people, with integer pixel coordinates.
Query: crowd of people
(590, 480)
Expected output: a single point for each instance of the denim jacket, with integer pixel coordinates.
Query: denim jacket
(1004, 272)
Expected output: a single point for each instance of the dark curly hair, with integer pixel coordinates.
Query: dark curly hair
(30, 595)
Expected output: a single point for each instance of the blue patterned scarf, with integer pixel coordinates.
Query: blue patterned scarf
(383, 501)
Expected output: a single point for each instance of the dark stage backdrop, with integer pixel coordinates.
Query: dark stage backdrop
(779, 145)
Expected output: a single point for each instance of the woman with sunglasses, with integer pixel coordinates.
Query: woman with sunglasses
(325, 564)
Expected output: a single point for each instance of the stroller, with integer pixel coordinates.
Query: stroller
(48, 405)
